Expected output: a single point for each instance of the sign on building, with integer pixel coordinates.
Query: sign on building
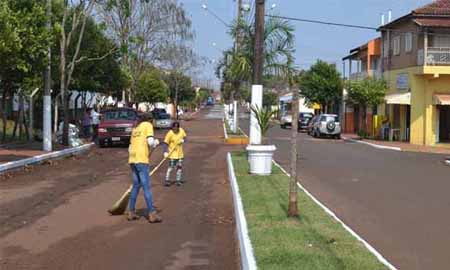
(403, 81)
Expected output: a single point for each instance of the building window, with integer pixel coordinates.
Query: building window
(397, 45)
(408, 42)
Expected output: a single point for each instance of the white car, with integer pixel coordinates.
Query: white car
(163, 120)
(325, 125)
(286, 121)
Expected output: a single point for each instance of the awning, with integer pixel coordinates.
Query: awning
(401, 99)
(442, 99)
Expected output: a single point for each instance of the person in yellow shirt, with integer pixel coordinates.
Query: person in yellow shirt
(140, 142)
(173, 150)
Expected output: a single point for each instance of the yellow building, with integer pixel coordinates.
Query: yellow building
(416, 66)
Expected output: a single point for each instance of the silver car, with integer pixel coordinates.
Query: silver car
(325, 125)
(162, 120)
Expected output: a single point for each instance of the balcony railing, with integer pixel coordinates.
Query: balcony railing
(438, 56)
(358, 76)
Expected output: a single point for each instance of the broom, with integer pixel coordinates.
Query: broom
(121, 205)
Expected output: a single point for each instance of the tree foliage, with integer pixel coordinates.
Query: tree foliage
(237, 66)
(321, 84)
(180, 87)
(151, 88)
(367, 92)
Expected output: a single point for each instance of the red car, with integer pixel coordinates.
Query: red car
(116, 126)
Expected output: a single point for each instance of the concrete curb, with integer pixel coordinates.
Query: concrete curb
(248, 261)
(225, 129)
(383, 147)
(36, 159)
(346, 227)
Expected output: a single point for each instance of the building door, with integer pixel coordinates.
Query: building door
(444, 124)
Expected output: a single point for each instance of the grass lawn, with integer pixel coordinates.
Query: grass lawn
(314, 241)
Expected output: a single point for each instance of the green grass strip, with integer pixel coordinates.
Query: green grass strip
(315, 241)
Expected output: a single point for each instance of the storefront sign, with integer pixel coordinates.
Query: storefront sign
(402, 81)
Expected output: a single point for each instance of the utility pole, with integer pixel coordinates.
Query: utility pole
(239, 21)
(259, 42)
(47, 117)
(257, 88)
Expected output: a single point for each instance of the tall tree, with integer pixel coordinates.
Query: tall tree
(141, 28)
(365, 93)
(180, 89)
(23, 41)
(278, 52)
(321, 84)
(179, 59)
(151, 88)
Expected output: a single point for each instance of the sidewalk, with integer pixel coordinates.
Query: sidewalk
(404, 146)
(66, 225)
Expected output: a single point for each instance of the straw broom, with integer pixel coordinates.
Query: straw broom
(121, 205)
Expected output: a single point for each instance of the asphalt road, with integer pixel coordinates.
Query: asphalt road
(54, 216)
(398, 201)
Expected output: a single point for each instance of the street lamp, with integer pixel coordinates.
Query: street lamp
(205, 7)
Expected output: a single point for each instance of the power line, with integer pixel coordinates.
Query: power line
(323, 22)
(364, 27)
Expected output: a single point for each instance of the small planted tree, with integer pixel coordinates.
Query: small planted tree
(263, 116)
(367, 92)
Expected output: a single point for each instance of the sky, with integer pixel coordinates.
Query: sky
(312, 41)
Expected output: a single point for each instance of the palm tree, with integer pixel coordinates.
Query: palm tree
(237, 66)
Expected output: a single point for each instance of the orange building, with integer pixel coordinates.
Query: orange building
(363, 62)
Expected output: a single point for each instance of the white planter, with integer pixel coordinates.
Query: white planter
(260, 158)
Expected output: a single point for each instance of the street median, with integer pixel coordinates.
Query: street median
(270, 240)
(236, 138)
(47, 156)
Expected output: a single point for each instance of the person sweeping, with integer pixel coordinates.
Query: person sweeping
(173, 150)
(141, 140)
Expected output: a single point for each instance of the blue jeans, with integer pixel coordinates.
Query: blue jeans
(141, 178)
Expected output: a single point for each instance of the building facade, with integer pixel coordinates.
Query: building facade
(363, 61)
(416, 66)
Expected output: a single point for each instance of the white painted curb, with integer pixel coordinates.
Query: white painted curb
(225, 130)
(248, 261)
(333, 215)
(374, 145)
(36, 159)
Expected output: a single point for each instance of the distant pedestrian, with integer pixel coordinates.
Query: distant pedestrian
(95, 121)
(141, 139)
(87, 123)
(173, 144)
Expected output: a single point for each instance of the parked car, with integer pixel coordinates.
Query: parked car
(116, 125)
(286, 121)
(303, 121)
(325, 125)
(162, 120)
(157, 111)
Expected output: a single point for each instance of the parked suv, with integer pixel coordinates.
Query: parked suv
(116, 126)
(325, 125)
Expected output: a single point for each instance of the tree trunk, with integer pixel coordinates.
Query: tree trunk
(176, 99)
(6, 92)
(293, 189)
(3, 112)
(364, 113)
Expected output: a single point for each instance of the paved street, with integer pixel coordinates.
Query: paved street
(398, 201)
(54, 216)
